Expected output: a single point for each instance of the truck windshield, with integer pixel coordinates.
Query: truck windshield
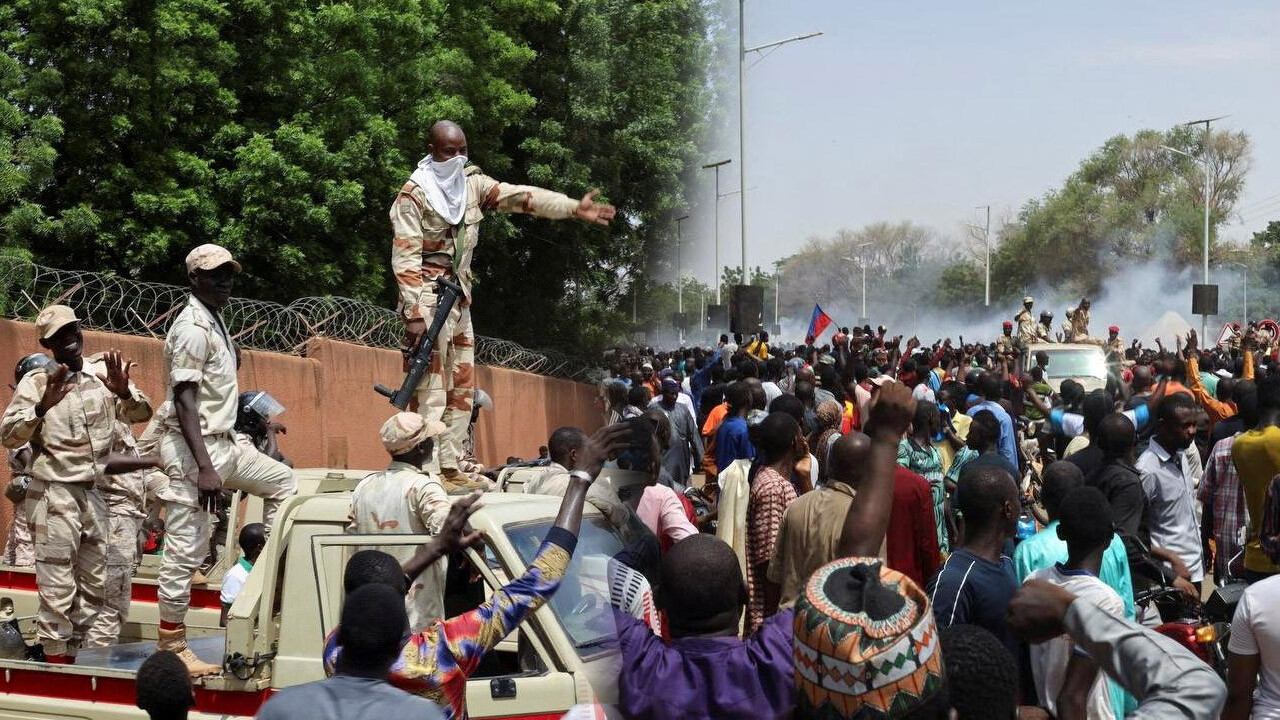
(1077, 363)
(583, 597)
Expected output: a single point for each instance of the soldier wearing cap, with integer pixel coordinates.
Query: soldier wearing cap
(68, 414)
(435, 221)
(1004, 343)
(1026, 322)
(198, 447)
(407, 500)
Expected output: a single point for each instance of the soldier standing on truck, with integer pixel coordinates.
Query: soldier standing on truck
(17, 548)
(406, 499)
(435, 221)
(1026, 322)
(68, 415)
(198, 448)
(1044, 331)
(126, 495)
(1077, 323)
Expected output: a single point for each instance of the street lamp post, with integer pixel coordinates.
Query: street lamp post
(679, 280)
(862, 260)
(716, 166)
(1204, 162)
(742, 111)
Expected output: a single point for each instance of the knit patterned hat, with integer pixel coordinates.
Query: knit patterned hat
(865, 643)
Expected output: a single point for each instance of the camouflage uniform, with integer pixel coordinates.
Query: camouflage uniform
(1027, 325)
(403, 499)
(1077, 325)
(198, 349)
(1044, 333)
(1115, 345)
(1004, 343)
(425, 247)
(68, 517)
(17, 548)
(126, 498)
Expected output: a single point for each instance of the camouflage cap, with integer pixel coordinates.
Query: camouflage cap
(1028, 300)
(210, 257)
(405, 430)
(54, 318)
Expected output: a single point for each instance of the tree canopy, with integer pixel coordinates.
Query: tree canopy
(132, 130)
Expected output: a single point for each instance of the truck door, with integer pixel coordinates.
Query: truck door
(519, 678)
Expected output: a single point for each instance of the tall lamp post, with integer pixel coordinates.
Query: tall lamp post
(742, 110)
(716, 166)
(1208, 177)
(680, 280)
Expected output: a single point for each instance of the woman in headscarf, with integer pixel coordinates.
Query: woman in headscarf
(829, 417)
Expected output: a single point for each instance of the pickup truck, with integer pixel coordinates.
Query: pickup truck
(1085, 363)
(276, 628)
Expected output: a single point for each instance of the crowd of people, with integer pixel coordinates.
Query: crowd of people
(836, 531)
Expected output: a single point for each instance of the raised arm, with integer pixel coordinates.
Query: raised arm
(531, 200)
(867, 521)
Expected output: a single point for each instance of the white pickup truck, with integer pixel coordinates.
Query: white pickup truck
(277, 627)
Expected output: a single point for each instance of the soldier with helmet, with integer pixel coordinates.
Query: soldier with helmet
(1044, 331)
(68, 414)
(17, 549)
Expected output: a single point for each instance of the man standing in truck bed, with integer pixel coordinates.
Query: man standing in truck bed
(435, 221)
(68, 414)
(198, 448)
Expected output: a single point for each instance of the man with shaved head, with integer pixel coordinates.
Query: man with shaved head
(435, 220)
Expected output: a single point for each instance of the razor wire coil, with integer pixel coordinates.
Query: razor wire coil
(111, 303)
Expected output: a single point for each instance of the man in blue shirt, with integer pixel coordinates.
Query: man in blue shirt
(732, 440)
(988, 388)
(976, 583)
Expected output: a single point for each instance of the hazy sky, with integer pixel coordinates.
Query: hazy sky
(922, 111)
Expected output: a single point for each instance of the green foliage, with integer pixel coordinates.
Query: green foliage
(132, 130)
(1133, 198)
(961, 287)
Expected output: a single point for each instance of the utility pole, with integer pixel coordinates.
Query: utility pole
(742, 111)
(1208, 177)
(716, 166)
(679, 280)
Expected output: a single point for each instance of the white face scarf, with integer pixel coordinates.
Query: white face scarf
(445, 185)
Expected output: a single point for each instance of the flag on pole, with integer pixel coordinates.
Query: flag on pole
(818, 324)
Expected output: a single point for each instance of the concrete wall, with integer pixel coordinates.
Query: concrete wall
(331, 411)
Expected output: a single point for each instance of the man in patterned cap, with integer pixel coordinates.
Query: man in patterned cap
(198, 448)
(406, 499)
(1026, 322)
(435, 220)
(68, 414)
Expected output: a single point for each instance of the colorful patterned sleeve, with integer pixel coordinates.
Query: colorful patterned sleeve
(469, 636)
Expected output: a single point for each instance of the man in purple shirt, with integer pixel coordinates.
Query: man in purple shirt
(706, 671)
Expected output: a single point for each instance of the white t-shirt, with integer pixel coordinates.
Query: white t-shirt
(924, 392)
(234, 580)
(771, 391)
(1049, 659)
(1255, 630)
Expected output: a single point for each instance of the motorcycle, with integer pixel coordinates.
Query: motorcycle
(1203, 628)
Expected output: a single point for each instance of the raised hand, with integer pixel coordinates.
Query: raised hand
(1192, 342)
(55, 389)
(455, 534)
(892, 408)
(607, 442)
(117, 377)
(590, 211)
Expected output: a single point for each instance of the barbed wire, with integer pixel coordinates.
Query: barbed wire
(114, 304)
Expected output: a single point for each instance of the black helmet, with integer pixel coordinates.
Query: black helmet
(31, 362)
(254, 408)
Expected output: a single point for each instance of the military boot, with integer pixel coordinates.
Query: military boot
(175, 641)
